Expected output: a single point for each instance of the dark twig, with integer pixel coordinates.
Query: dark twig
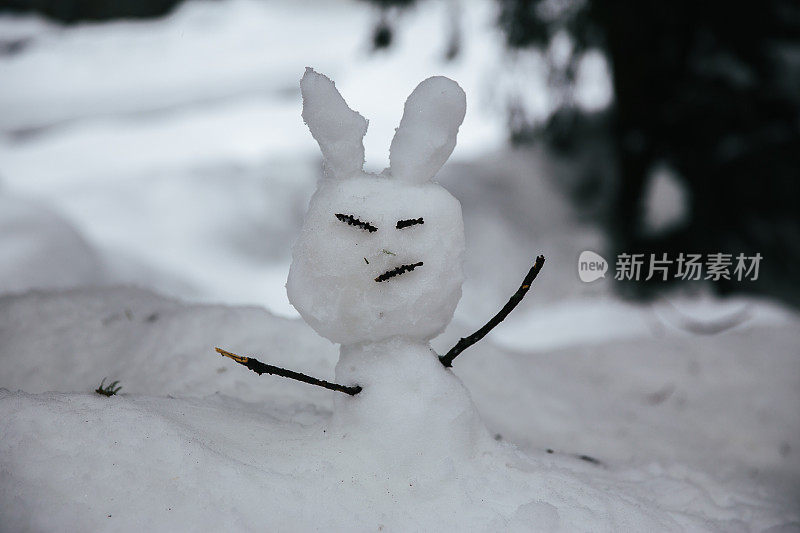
(261, 368)
(353, 221)
(410, 222)
(402, 269)
(466, 342)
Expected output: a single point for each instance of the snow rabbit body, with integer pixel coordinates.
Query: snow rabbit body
(378, 268)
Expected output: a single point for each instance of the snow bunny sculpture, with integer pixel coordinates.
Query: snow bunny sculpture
(377, 266)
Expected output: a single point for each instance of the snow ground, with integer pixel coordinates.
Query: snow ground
(170, 155)
(684, 435)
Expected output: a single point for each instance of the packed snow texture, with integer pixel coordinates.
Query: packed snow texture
(427, 133)
(380, 255)
(197, 442)
(412, 412)
(335, 264)
(338, 130)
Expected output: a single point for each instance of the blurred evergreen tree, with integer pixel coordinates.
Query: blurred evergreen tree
(383, 32)
(77, 10)
(711, 89)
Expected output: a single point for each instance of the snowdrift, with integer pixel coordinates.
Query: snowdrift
(194, 442)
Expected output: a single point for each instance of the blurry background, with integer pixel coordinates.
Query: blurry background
(159, 143)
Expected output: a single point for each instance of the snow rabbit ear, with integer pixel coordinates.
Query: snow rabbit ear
(338, 129)
(427, 133)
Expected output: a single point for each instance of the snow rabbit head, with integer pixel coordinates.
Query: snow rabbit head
(380, 255)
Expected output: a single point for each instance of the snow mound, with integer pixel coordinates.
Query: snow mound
(68, 341)
(162, 464)
(41, 249)
(196, 442)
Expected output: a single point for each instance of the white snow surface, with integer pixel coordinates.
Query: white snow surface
(195, 442)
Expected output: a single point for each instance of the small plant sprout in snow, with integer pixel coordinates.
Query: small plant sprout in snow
(108, 390)
(377, 267)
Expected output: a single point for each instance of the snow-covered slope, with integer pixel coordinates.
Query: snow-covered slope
(175, 147)
(683, 436)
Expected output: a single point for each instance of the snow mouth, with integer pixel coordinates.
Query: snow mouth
(402, 269)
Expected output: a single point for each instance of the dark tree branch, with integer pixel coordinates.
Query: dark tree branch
(261, 368)
(466, 342)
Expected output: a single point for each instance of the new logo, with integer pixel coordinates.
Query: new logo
(591, 266)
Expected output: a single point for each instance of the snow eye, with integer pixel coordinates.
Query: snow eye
(353, 221)
(410, 222)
